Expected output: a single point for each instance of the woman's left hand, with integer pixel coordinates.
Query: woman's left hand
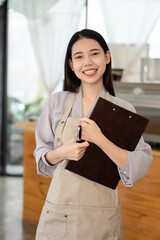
(90, 130)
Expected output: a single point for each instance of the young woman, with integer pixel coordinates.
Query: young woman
(77, 208)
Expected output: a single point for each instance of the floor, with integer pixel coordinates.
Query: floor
(12, 227)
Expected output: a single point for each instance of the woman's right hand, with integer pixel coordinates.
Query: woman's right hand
(73, 150)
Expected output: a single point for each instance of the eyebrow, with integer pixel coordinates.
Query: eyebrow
(77, 53)
(94, 49)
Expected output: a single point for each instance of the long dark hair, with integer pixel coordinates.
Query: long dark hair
(71, 82)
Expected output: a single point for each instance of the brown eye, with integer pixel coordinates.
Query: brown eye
(78, 57)
(95, 53)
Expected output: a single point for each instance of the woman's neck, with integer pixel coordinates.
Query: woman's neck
(89, 95)
(91, 92)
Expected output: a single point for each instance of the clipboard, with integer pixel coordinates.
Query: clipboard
(122, 127)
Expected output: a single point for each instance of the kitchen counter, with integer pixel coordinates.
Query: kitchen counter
(146, 99)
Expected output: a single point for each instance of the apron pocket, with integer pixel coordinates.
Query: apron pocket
(58, 225)
(55, 224)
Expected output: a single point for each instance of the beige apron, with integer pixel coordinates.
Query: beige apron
(75, 207)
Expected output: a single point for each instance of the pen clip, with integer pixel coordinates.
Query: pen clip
(79, 133)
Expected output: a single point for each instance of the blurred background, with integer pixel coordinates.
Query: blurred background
(37, 36)
(33, 38)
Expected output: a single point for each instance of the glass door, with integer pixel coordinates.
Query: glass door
(25, 91)
(3, 98)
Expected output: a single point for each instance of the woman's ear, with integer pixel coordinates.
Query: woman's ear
(108, 57)
(70, 64)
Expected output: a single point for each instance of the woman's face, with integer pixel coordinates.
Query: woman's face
(89, 61)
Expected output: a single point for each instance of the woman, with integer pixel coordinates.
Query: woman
(77, 208)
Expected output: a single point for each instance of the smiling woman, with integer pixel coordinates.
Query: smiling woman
(87, 51)
(80, 206)
(88, 61)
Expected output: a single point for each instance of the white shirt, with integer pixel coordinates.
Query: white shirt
(139, 160)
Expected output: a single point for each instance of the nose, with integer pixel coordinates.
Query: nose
(87, 61)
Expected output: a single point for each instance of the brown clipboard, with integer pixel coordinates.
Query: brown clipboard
(122, 127)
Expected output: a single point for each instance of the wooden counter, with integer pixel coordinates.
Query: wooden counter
(35, 186)
(140, 204)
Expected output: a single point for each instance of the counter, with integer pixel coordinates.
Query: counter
(146, 99)
(35, 187)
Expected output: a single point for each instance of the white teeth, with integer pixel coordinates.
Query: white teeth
(90, 71)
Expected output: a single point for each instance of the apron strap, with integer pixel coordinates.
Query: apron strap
(67, 110)
(108, 96)
(61, 124)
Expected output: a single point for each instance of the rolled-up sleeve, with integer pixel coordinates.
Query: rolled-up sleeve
(138, 164)
(44, 141)
(139, 160)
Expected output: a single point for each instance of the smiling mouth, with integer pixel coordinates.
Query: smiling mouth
(90, 72)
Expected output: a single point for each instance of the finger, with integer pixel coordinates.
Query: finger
(84, 144)
(84, 124)
(81, 154)
(86, 120)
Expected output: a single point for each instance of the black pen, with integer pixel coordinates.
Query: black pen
(79, 133)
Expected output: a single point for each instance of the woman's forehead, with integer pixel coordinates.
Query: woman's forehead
(85, 44)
